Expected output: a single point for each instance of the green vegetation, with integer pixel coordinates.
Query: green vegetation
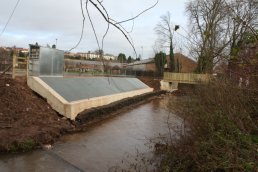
(24, 146)
(130, 59)
(172, 65)
(160, 61)
(121, 58)
(165, 30)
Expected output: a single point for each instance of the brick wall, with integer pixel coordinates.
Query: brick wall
(186, 64)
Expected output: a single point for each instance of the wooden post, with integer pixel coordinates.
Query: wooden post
(27, 67)
(14, 64)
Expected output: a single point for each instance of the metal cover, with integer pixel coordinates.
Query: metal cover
(74, 89)
(51, 62)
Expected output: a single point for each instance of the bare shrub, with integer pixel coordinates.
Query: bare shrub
(222, 120)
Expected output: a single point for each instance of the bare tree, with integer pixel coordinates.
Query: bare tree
(217, 26)
(243, 18)
(100, 7)
(165, 30)
(209, 30)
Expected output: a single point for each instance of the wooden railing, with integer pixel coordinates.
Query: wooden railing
(188, 78)
(20, 66)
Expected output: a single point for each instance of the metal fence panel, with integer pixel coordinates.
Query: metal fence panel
(51, 62)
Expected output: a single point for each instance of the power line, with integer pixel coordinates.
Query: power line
(10, 17)
(83, 24)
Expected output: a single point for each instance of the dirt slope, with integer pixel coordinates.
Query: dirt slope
(26, 120)
(151, 82)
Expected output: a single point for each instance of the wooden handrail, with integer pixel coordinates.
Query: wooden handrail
(186, 77)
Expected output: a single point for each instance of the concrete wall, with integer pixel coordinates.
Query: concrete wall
(53, 98)
(71, 109)
(78, 106)
(168, 86)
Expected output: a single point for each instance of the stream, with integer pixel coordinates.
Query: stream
(102, 147)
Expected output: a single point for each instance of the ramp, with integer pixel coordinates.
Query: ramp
(70, 96)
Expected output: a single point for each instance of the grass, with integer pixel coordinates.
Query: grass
(25, 146)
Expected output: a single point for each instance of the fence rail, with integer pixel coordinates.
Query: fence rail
(20, 66)
(188, 78)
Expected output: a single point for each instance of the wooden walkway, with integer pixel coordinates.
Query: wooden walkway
(187, 78)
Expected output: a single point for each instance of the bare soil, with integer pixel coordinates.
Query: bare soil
(151, 82)
(25, 118)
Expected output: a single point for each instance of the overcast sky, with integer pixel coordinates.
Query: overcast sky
(48, 20)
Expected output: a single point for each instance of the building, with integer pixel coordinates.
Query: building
(186, 65)
(16, 49)
(89, 55)
(143, 65)
(245, 64)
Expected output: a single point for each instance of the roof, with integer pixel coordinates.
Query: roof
(145, 61)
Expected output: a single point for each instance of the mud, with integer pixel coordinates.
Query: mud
(151, 82)
(26, 120)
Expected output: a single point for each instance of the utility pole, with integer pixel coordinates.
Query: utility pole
(142, 51)
(56, 42)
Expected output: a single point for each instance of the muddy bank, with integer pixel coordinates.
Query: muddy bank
(151, 82)
(28, 122)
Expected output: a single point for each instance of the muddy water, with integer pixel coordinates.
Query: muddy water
(102, 147)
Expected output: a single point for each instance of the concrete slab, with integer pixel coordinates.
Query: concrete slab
(70, 96)
(74, 89)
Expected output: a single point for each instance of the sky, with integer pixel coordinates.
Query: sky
(49, 21)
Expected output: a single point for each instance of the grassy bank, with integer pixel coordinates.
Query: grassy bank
(221, 120)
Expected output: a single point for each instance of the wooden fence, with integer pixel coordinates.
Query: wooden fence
(20, 66)
(188, 78)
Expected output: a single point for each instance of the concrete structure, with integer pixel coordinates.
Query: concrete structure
(168, 86)
(70, 96)
(171, 80)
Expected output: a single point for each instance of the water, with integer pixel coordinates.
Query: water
(101, 147)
